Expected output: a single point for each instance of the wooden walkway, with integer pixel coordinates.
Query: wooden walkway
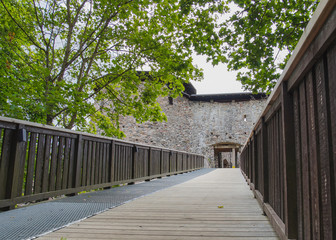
(218, 205)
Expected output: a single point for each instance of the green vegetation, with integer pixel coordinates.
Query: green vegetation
(258, 33)
(83, 64)
(65, 63)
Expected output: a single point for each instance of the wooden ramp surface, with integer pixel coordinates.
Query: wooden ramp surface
(218, 205)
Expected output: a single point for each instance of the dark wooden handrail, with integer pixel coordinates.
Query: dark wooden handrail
(38, 162)
(289, 159)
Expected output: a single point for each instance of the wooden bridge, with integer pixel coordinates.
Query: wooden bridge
(217, 205)
(289, 162)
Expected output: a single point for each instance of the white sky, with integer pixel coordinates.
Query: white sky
(216, 79)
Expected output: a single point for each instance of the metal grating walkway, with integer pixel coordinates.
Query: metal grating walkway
(33, 221)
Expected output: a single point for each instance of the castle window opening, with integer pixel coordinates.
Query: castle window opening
(170, 100)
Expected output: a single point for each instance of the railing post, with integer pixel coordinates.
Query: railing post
(289, 163)
(16, 164)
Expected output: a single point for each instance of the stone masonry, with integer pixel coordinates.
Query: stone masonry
(196, 125)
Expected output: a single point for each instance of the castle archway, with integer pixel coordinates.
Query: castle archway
(226, 154)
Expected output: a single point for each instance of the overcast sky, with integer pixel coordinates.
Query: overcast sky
(216, 79)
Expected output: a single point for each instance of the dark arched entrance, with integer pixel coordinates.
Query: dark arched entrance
(226, 155)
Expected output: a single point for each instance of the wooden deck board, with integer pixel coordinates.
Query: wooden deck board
(186, 211)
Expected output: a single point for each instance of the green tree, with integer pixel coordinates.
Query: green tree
(79, 64)
(257, 32)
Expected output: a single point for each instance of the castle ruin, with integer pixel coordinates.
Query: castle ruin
(215, 125)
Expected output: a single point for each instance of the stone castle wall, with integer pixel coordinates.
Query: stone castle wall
(195, 126)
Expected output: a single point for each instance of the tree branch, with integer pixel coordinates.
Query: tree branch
(25, 33)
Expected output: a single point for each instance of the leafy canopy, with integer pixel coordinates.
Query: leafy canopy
(80, 64)
(258, 33)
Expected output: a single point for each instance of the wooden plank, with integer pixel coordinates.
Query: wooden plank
(123, 162)
(39, 164)
(30, 164)
(53, 164)
(276, 222)
(72, 169)
(273, 110)
(324, 151)
(331, 63)
(150, 160)
(120, 170)
(46, 160)
(108, 163)
(65, 173)
(185, 211)
(276, 162)
(112, 161)
(93, 163)
(60, 159)
(265, 161)
(129, 162)
(98, 163)
(117, 159)
(255, 160)
(289, 166)
(45, 131)
(7, 125)
(16, 165)
(85, 162)
(134, 160)
(297, 135)
(3, 163)
(271, 164)
(104, 167)
(282, 176)
(101, 159)
(313, 148)
(95, 138)
(89, 164)
(305, 163)
(78, 161)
